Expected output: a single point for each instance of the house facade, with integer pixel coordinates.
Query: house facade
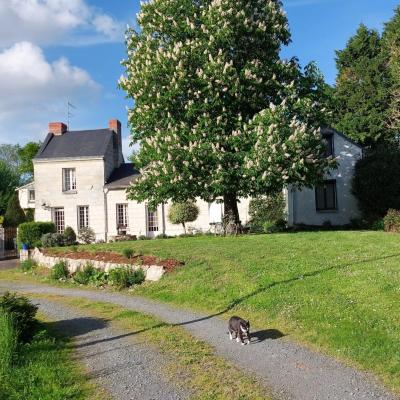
(80, 180)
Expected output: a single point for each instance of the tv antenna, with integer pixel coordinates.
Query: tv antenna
(70, 106)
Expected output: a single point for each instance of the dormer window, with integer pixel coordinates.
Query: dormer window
(329, 147)
(69, 180)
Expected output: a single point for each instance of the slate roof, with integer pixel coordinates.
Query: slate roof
(122, 177)
(90, 143)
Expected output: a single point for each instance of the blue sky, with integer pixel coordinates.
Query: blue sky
(52, 51)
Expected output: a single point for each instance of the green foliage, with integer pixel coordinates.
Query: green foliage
(69, 236)
(8, 343)
(52, 240)
(14, 215)
(123, 277)
(84, 275)
(9, 180)
(28, 265)
(30, 233)
(376, 182)
(1, 219)
(217, 112)
(181, 213)
(362, 89)
(59, 271)
(25, 156)
(128, 253)
(391, 47)
(23, 313)
(266, 211)
(29, 214)
(392, 221)
(143, 237)
(86, 235)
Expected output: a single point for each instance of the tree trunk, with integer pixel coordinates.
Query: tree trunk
(184, 227)
(231, 214)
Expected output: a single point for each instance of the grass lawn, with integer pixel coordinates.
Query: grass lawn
(336, 291)
(45, 370)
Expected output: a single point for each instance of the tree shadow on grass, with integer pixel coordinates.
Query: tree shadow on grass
(80, 326)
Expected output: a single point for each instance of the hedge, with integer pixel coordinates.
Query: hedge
(30, 233)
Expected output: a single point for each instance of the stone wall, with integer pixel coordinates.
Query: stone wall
(153, 272)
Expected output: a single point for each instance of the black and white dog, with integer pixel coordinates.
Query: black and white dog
(240, 328)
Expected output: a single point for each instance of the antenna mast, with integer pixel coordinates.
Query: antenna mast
(69, 113)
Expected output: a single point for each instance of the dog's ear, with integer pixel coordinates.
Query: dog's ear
(248, 323)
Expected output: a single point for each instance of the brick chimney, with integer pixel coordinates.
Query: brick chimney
(57, 128)
(115, 126)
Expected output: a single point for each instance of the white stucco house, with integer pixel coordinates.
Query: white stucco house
(80, 180)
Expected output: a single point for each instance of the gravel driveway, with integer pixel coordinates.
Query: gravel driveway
(291, 371)
(123, 366)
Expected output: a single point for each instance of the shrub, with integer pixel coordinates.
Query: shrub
(27, 265)
(266, 212)
(143, 237)
(162, 236)
(23, 313)
(123, 277)
(69, 236)
(392, 221)
(86, 235)
(1, 220)
(84, 275)
(181, 213)
(14, 215)
(99, 277)
(30, 233)
(52, 240)
(128, 253)
(59, 270)
(376, 182)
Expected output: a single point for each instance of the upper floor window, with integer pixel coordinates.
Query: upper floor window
(83, 217)
(69, 179)
(329, 146)
(325, 196)
(31, 195)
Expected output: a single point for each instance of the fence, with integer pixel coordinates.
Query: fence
(8, 243)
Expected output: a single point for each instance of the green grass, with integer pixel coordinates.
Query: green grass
(190, 362)
(335, 291)
(41, 370)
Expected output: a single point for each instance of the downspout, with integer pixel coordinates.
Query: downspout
(105, 215)
(163, 218)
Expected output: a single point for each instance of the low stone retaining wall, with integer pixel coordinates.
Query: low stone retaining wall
(153, 272)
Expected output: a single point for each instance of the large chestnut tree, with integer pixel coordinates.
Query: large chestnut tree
(217, 112)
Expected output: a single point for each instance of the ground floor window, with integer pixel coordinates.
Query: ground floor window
(152, 220)
(122, 216)
(325, 196)
(58, 219)
(83, 217)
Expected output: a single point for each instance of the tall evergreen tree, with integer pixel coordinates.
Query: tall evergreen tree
(362, 88)
(14, 214)
(391, 44)
(9, 180)
(217, 112)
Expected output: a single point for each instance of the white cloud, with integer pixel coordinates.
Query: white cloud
(51, 21)
(35, 91)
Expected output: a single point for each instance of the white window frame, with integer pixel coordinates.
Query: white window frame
(152, 220)
(83, 217)
(122, 216)
(31, 199)
(69, 180)
(59, 219)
